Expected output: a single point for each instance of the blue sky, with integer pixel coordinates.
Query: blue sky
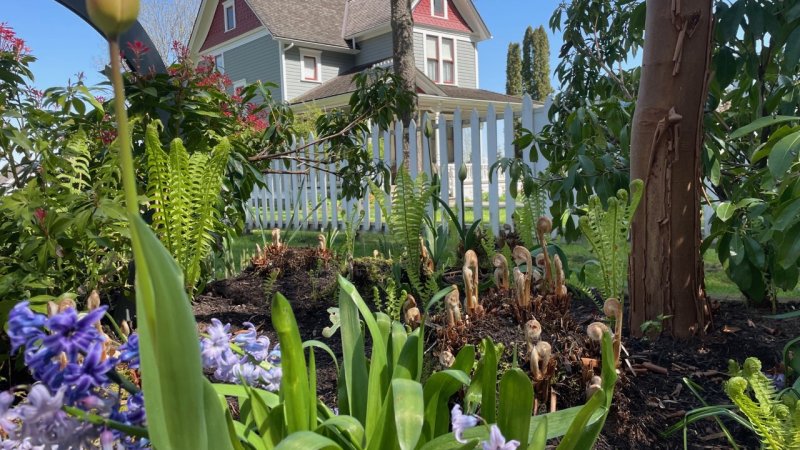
(65, 45)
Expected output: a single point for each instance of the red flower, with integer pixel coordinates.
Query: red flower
(138, 48)
(10, 43)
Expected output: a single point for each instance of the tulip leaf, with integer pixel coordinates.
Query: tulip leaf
(168, 347)
(409, 413)
(307, 440)
(516, 404)
(294, 383)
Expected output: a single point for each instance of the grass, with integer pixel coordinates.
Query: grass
(717, 283)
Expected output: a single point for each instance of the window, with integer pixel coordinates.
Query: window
(230, 15)
(311, 67)
(448, 61)
(219, 61)
(439, 8)
(440, 59)
(432, 51)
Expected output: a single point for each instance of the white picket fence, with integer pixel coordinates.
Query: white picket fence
(308, 198)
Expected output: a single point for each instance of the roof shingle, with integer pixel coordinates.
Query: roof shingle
(363, 15)
(318, 21)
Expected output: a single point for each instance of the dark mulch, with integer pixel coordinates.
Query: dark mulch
(644, 405)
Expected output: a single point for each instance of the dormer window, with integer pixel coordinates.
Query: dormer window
(311, 66)
(440, 58)
(229, 8)
(439, 8)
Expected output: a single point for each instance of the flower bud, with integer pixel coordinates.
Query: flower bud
(462, 172)
(113, 17)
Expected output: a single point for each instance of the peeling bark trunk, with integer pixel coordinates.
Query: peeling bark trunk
(403, 60)
(666, 270)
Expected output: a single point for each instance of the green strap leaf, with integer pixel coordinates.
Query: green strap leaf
(409, 412)
(516, 404)
(784, 155)
(294, 384)
(763, 122)
(307, 440)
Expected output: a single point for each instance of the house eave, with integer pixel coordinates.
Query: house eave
(317, 45)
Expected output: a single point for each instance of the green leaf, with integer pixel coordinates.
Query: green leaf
(307, 440)
(787, 215)
(294, 383)
(348, 426)
(725, 210)
(488, 380)
(219, 435)
(354, 361)
(539, 439)
(172, 373)
(784, 155)
(409, 412)
(792, 53)
(437, 392)
(516, 404)
(762, 123)
(789, 251)
(379, 371)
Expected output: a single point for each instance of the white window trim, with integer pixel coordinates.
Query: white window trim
(441, 64)
(239, 84)
(433, 13)
(221, 56)
(317, 55)
(228, 4)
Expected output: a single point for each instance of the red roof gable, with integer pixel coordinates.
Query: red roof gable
(246, 20)
(454, 21)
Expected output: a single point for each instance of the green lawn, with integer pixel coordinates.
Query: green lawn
(717, 283)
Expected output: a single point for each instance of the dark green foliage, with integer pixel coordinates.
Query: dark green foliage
(514, 70)
(540, 86)
(527, 62)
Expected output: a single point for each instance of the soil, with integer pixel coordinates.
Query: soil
(645, 403)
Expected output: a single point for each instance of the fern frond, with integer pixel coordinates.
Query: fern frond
(408, 208)
(75, 174)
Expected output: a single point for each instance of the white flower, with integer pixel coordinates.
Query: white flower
(461, 422)
(498, 442)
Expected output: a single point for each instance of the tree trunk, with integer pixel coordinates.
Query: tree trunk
(403, 60)
(666, 270)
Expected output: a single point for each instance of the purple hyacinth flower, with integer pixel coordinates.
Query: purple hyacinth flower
(460, 422)
(24, 326)
(272, 379)
(498, 442)
(254, 345)
(217, 344)
(72, 334)
(8, 416)
(42, 418)
(129, 351)
(274, 357)
(91, 373)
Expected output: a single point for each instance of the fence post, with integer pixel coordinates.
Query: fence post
(527, 123)
(387, 158)
(312, 180)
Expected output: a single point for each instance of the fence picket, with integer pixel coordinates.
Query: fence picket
(458, 150)
(376, 153)
(444, 165)
(491, 158)
(477, 194)
(312, 179)
(307, 195)
(508, 143)
(387, 158)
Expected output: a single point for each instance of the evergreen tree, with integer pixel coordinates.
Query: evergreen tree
(540, 85)
(527, 62)
(514, 70)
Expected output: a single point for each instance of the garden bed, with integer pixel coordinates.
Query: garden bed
(644, 405)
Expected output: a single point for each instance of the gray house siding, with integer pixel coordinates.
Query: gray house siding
(254, 61)
(333, 64)
(465, 64)
(375, 49)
